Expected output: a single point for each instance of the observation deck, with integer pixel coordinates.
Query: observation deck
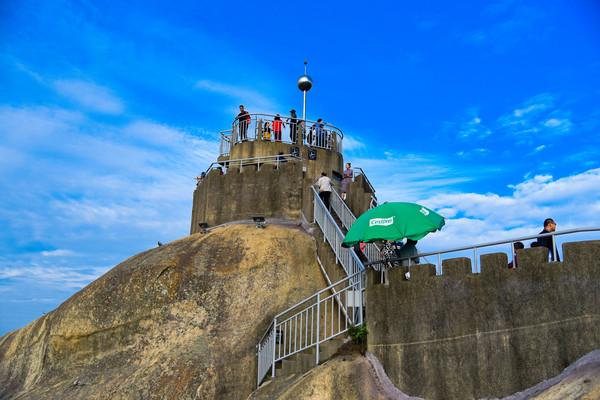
(262, 129)
(267, 165)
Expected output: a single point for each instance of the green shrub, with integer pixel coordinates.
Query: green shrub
(358, 333)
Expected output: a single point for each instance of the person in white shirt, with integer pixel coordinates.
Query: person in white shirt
(324, 185)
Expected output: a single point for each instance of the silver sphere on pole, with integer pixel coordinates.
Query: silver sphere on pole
(305, 83)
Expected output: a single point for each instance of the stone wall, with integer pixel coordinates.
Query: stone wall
(238, 195)
(463, 335)
(359, 196)
(283, 192)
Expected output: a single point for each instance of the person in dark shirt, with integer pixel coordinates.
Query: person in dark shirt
(546, 241)
(243, 119)
(320, 133)
(293, 120)
(515, 262)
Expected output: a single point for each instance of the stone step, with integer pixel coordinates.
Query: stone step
(329, 348)
(299, 363)
(302, 362)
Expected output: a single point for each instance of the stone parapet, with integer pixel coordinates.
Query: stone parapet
(462, 335)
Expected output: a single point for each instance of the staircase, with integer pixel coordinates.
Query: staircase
(310, 331)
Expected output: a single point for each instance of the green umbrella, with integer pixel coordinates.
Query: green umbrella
(393, 221)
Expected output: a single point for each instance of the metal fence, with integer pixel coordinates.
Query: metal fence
(225, 145)
(322, 316)
(357, 171)
(339, 206)
(326, 314)
(273, 161)
(475, 252)
(332, 233)
(266, 127)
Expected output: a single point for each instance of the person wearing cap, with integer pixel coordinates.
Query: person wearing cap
(293, 120)
(546, 241)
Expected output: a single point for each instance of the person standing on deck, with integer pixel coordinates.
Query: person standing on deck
(346, 180)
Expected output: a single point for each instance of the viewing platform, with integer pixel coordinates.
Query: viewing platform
(267, 165)
(263, 128)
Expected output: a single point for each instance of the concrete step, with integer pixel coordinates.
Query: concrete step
(329, 348)
(304, 361)
(298, 364)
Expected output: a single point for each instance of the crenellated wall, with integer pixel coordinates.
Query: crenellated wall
(463, 335)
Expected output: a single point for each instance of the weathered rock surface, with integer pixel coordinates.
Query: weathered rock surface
(579, 381)
(176, 322)
(348, 376)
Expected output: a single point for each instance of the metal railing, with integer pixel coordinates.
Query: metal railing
(339, 206)
(225, 145)
(357, 171)
(475, 251)
(334, 235)
(328, 313)
(265, 127)
(321, 316)
(274, 161)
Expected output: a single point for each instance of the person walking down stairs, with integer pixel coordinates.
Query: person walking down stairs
(324, 186)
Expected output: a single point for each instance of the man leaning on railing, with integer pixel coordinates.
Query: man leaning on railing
(547, 241)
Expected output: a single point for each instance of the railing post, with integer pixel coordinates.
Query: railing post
(314, 206)
(513, 254)
(554, 249)
(318, 326)
(274, 344)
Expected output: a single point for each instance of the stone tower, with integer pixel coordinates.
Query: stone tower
(266, 166)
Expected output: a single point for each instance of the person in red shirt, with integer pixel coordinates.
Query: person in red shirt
(277, 125)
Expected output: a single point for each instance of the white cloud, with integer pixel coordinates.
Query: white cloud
(75, 183)
(59, 276)
(407, 177)
(539, 148)
(573, 201)
(58, 253)
(536, 115)
(33, 126)
(89, 95)
(351, 143)
(473, 127)
(254, 100)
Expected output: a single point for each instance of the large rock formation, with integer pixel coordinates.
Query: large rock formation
(179, 322)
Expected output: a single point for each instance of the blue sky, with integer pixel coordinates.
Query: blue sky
(486, 111)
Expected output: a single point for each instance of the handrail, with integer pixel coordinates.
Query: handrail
(494, 243)
(316, 293)
(278, 343)
(252, 127)
(285, 118)
(336, 237)
(371, 187)
(244, 162)
(302, 330)
(225, 142)
(372, 251)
